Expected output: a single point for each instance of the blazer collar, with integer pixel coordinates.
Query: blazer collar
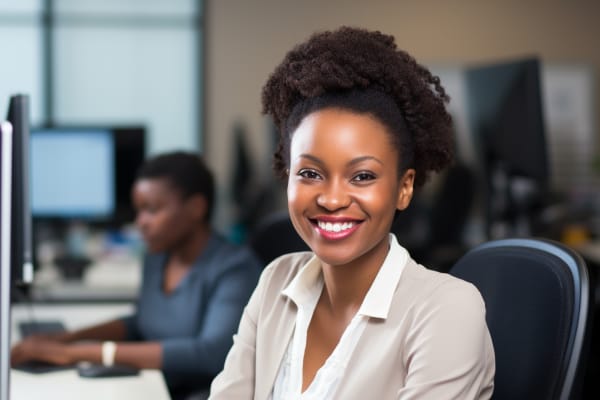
(378, 300)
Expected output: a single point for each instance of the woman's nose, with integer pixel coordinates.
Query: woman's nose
(334, 196)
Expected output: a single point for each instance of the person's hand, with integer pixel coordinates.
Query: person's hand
(50, 336)
(40, 348)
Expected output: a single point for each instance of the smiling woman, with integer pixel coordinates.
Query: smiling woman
(361, 125)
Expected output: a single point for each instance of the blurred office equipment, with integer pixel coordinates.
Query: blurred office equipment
(254, 191)
(94, 371)
(243, 183)
(538, 309)
(570, 112)
(81, 179)
(16, 271)
(433, 231)
(21, 229)
(85, 173)
(274, 236)
(72, 173)
(5, 255)
(505, 113)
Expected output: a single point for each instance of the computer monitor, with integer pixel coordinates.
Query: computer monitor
(130, 153)
(84, 173)
(81, 178)
(5, 253)
(505, 113)
(72, 173)
(21, 232)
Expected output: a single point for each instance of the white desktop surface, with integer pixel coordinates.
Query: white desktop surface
(66, 385)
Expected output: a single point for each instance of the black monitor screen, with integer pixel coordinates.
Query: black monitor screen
(506, 115)
(21, 232)
(72, 173)
(505, 112)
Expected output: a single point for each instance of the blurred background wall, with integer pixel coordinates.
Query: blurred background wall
(244, 40)
(191, 71)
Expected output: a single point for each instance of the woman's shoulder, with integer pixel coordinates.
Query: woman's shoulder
(432, 288)
(286, 267)
(282, 270)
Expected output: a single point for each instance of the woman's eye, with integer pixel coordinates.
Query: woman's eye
(309, 174)
(363, 176)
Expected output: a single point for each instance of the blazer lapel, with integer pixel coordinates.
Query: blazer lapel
(277, 329)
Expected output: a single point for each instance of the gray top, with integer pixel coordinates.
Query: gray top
(195, 323)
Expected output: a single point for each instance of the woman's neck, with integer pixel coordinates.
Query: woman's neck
(187, 251)
(347, 285)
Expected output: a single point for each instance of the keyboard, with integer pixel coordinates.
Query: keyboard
(33, 327)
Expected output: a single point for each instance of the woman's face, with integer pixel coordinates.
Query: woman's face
(343, 185)
(164, 218)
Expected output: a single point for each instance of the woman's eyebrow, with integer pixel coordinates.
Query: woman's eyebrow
(358, 160)
(354, 161)
(312, 158)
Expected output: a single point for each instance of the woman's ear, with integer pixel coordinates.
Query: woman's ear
(405, 189)
(197, 206)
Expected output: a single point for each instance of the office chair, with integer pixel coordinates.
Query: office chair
(274, 236)
(537, 296)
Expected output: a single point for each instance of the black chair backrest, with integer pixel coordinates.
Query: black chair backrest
(537, 296)
(274, 236)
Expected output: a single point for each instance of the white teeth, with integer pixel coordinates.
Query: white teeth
(335, 226)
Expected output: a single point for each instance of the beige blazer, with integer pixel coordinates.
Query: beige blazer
(433, 345)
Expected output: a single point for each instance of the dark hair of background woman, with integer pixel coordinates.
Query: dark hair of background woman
(186, 172)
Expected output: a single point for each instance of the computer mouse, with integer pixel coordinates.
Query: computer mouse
(90, 370)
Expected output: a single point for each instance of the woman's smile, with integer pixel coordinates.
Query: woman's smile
(335, 228)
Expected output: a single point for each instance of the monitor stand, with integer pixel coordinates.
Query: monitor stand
(72, 267)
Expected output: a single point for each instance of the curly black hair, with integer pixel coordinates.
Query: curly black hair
(363, 71)
(185, 171)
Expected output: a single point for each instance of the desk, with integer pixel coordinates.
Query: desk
(66, 385)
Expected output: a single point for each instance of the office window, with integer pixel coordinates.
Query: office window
(108, 62)
(21, 64)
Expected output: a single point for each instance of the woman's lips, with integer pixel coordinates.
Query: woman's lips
(335, 229)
